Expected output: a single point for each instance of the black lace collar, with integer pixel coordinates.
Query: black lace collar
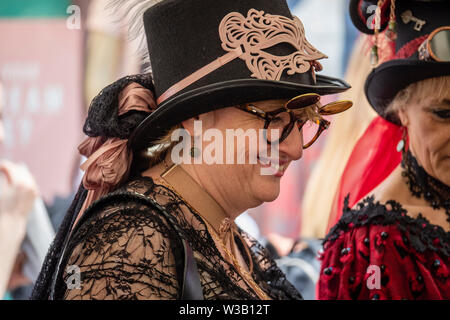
(421, 233)
(420, 183)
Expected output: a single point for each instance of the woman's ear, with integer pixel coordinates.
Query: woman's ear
(403, 116)
(207, 119)
(188, 125)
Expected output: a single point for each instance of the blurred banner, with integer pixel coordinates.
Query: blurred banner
(41, 74)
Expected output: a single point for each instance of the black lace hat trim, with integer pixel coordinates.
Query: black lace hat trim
(421, 232)
(103, 119)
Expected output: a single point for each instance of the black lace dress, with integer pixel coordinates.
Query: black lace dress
(128, 250)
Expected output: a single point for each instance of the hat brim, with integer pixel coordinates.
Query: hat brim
(221, 95)
(385, 81)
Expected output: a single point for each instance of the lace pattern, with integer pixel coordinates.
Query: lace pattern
(420, 183)
(127, 250)
(376, 251)
(422, 234)
(103, 118)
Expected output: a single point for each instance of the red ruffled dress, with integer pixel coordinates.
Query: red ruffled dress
(379, 252)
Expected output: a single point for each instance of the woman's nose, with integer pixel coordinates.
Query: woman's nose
(293, 144)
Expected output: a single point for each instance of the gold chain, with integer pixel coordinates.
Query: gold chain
(243, 273)
(392, 13)
(378, 20)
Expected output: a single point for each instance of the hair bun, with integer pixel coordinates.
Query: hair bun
(103, 117)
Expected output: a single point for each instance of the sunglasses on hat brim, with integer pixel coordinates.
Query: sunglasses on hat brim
(310, 99)
(437, 46)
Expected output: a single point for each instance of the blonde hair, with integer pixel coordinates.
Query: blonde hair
(434, 89)
(156, 153)
(345, 130)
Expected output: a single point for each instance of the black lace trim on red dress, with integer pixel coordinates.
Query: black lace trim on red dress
(421, 233)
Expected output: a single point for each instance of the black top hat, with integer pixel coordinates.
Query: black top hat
(415, 20)
(207, 55)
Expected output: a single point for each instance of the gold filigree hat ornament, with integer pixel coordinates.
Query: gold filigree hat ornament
(214, 56)
(259, 31)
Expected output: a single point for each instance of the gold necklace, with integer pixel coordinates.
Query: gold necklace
(175, 178)
(242, 272)
(248, 279)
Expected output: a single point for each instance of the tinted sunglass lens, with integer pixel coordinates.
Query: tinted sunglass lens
(440, 45)
(335, 107)
(303, 101)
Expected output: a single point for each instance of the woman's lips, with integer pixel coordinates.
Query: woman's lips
(277, 165)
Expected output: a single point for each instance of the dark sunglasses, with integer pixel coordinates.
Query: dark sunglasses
(284, 119)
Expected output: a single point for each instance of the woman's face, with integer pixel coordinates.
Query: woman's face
(250, 184)
(428, 125)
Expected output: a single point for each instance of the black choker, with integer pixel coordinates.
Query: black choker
(420, 183)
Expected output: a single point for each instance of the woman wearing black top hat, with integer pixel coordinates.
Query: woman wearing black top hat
(395, 243)
(143, 226)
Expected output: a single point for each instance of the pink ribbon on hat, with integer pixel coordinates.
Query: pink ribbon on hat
(109, 159)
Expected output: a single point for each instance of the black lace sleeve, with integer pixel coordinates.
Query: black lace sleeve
(268, 274)
(124, 247)
(124, 252)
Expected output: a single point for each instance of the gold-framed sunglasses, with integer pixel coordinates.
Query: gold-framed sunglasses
(284, 119)
(437, 46)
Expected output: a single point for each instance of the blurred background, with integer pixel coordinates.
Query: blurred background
(56, 55)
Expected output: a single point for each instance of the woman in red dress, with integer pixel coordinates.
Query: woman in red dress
(395, 243)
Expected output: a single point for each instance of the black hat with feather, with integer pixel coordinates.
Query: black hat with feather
(207, 55)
